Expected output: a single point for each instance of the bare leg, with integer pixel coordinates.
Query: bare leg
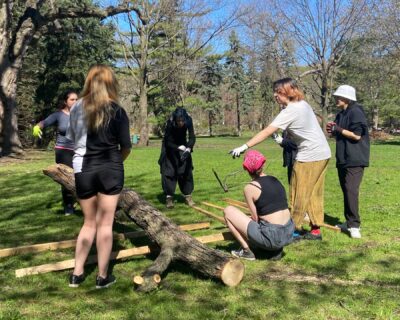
(237, 223)
(87, 233)
(107, 205)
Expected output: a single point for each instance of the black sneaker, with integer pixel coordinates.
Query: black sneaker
(102, 283)
(75, 281)
(68, 210)
(244, 254)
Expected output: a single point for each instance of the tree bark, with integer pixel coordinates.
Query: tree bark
(174, 244)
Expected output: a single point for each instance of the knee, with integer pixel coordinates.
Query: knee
(228, 211)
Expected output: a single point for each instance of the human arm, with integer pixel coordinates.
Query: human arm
(250, 194)
(124, 135)
(259, 137)
(192, 137)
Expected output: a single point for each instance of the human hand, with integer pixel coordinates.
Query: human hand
(185, 155)
(329, 127)
(182, 148)
(277, 138)
(237, 151)
(37, 131)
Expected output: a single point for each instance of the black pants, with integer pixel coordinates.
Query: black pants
(350, 180)
(64, 156)
(185, 183)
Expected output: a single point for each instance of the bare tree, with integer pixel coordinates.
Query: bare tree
(144, 27)
(323, 31)
(20, 22)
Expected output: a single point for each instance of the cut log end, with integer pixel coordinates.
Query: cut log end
(232, 273)
(138, 280)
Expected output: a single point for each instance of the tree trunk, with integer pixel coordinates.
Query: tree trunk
(9, 140)
(239, 133)
(174, 244)
(210, 118)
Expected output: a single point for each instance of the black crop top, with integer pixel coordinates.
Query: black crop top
(272, 197)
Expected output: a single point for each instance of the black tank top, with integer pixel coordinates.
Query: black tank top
(272, 197)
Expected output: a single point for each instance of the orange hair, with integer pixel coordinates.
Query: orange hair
(289, 88)
(99, 92)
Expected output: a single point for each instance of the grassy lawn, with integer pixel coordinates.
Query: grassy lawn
(337, 278)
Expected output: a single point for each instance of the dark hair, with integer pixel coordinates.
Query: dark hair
(289, 88)
(181, 113)
(64, 97)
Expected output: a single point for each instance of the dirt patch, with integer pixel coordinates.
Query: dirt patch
(28, 155)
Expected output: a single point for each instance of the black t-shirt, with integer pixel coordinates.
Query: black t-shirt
(102, 147)
(272, 197)
(349, 152)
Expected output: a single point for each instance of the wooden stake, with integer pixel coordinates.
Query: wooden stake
(117, 255)
(208, 213)
(241, 205)
(71, 243)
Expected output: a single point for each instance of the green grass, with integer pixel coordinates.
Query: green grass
(337, 278)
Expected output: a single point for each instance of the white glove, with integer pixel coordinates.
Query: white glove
(278, 138)
(188, 150)
(182, 148)
(237, 151)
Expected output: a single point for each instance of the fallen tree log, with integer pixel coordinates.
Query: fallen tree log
(174, 244)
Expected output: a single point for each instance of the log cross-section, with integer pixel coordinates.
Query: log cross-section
(175, 245)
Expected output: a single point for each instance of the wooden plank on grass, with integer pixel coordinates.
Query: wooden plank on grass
(209, 214)
(117, 255)
(71, 243)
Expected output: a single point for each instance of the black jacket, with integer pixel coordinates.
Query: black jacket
(352, 153)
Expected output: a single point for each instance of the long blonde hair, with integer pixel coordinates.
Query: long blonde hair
(99, 92)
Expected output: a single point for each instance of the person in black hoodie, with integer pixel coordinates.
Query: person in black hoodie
(175, 159)
(350, 130)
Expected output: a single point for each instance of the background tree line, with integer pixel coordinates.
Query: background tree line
(220, 66)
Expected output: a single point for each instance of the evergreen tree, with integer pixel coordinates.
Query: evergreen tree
(236, 76)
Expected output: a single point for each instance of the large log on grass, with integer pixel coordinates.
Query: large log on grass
(174, 244)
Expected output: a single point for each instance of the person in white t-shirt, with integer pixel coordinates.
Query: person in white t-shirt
(307, 183)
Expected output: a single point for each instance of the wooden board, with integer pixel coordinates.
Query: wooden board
(71, 243)
(117, 255)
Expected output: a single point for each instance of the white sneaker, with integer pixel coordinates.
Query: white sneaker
(355, 233)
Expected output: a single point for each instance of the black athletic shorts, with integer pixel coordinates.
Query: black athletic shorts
(108, 181)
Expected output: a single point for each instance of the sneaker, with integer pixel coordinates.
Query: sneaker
(189, 201)
(244, 254)
(342, 226)
(298, 234)
(314, 234)
(75, 281)
(68, 210)
(102, 283)
(355, 233)
(170, 202)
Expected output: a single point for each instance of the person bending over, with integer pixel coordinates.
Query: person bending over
(175, 159)
(99, 128)
(270, 226)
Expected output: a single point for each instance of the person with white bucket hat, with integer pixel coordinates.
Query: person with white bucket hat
(350, 129)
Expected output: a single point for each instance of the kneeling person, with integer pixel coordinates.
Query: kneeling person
(270, 226)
